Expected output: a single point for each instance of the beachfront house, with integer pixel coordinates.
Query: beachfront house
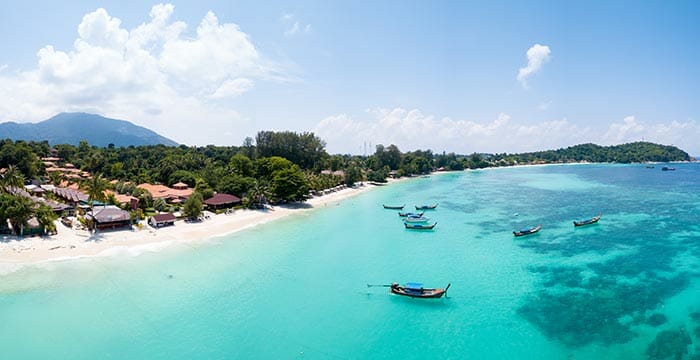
(160, 220)
(109, 217)
(170, 195)
(222, 201)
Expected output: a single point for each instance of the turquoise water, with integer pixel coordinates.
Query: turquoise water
(626, 288)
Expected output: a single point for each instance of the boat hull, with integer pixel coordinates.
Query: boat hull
(419, 293)
(413, 226)
(426, 207)
(390, 207)
(528, 231)
(587, 222)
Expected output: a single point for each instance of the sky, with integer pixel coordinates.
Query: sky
(454, 76)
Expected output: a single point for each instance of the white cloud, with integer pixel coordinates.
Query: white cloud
(292, 30)
(155, 75)
(537, 55)
(683, 134)
(233, 88)
(544, 106)
(294, 27)
(411, 129)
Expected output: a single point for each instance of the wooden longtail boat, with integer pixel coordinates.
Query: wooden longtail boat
(416, 290)
(426, 207)
(419, 226)
(416, 220)
(592, 220)
(405, 214)
(527, 231)
(394, 207)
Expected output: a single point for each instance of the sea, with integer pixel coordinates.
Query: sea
(308, 286)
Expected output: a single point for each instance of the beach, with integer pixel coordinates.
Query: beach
(70, 243)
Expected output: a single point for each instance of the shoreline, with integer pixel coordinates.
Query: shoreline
(71, 244)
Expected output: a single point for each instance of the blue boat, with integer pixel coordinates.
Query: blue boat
(419, 226)
(417, 219)
(527, 231)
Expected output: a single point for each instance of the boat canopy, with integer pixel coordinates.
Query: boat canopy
(414, 286)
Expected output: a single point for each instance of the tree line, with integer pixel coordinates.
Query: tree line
(278, 166)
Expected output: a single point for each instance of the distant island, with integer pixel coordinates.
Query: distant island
(71, 128)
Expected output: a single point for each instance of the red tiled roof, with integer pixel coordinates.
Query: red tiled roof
(162, 191)
(222, 199)
(164, 217)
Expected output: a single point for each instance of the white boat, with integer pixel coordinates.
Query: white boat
(416, 219)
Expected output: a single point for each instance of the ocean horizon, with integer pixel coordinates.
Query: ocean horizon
(297, 288)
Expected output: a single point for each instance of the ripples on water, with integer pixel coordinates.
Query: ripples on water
(624, 288)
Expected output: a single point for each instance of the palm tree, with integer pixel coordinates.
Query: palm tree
(46, 217)
(258, 194)
(13, 178)
(95, 188)
(19, 211)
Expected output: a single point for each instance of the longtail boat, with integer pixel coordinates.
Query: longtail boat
(416, 290)
(426, 207)
(394, 207)
(592, 220)
(416, 220)
(419, 226)
(527, 231)
(666, 168)
(411, 214)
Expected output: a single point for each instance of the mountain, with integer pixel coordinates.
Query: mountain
(71, 128)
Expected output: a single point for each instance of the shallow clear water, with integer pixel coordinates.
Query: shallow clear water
(626, 288)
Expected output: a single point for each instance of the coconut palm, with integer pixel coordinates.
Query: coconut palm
(19, 210)
(46, 217)
(13, 178)
(95, 188)
(258, 194)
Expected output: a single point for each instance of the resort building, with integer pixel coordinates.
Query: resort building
(170, 195)
(58, 208)
(160, 220)
(222, 201)
(109, 217)
(124, 200)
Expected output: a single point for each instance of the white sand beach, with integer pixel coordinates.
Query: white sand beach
(72, 244)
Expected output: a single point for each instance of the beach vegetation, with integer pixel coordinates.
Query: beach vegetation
(46, 218)
(18, 210)
(193, 206)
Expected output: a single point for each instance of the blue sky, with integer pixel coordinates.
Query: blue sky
(439, 75)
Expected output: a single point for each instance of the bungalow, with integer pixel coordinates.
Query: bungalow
(222, 201)
(109, 218)
(160, 220)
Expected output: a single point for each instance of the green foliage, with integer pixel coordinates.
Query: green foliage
(192, 208)
(160, 205)
(625, 153)
(266, 167)
(241, 165)
(236, 185)
(18, 210)
(182, 176)
(46, 217)
(305, 149)
(289, 185)
(21, 155)
(353, 175)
